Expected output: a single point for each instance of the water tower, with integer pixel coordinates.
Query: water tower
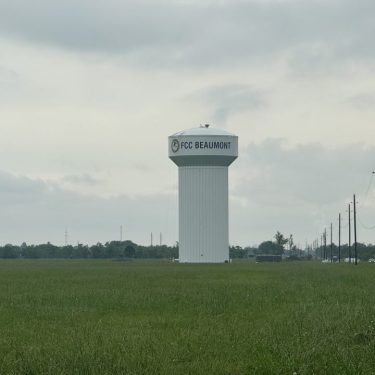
(203, 155)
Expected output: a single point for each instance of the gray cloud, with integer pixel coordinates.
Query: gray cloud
(81, 179)
(307, 173)
(362, 101)
(36, 211)
(18, 185)
(226, 100)
(156, 32)
(299, 189)
(7, 76)
(10, 85)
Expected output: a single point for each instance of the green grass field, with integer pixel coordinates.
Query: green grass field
(149, 317)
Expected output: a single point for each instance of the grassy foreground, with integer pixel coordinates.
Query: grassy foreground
(104, 317)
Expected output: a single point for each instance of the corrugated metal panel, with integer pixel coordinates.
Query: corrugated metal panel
(203, 216)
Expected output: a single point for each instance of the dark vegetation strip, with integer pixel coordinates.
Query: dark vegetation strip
(129, 250)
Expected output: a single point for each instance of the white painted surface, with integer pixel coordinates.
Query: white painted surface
(203, 214)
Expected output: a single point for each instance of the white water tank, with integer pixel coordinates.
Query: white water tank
(203, 155)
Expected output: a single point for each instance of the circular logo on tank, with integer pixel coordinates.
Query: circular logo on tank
(175, 145)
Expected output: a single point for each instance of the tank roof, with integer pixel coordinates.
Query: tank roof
(204, 130)
(203, 146)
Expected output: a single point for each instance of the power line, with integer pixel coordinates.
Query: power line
(331, 244)
(350, 233)
(325, 243)
(364, 226)
(370, 184)
(355, 231)
(339, 237)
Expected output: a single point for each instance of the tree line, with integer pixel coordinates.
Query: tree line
(109, 250)
(280, 245)
(365, 252)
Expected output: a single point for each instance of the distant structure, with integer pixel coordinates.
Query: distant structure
(203, 155)
(66, 237)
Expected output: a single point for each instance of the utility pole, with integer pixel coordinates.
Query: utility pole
(151, 240)
(339, 237)
(355, 230)
(325, 243)
(331, 244)
(350, 237)
(161, 238)
(321, 247)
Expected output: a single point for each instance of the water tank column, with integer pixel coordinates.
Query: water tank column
(203, 156)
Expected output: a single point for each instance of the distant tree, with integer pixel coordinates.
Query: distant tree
(237, 252)
(271, 248)
(280, 239)
(9, 252)
(66, 251)
(129, 252)
(80, 251)
(31, 252)
(97, 251)
(114, 249)
(48, 251)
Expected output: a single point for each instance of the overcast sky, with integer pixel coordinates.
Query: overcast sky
(91, 89)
